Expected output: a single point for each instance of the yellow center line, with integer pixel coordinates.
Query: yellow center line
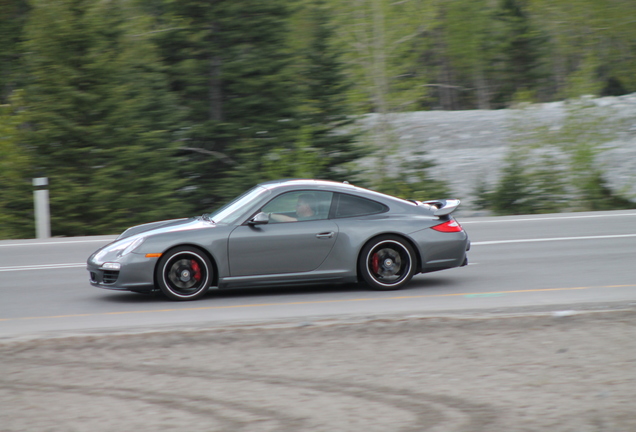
(319, 302)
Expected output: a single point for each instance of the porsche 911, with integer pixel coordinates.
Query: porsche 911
(286, 232)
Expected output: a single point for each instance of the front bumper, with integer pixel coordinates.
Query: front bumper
(136, 274)
(103, 278)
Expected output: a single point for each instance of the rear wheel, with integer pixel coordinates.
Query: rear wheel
(184, 273)
(387, 263)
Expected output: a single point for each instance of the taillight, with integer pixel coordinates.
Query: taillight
(448, 226)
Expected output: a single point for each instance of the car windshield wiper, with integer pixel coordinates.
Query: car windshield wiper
(206, 217)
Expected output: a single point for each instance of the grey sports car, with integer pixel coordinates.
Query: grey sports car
(286, 232)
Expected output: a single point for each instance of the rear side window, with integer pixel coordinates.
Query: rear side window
(349, 206)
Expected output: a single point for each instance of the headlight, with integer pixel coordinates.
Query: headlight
(119, 248)
(132, 246)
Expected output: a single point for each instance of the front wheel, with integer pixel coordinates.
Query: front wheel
(184, 273)
(387, 263)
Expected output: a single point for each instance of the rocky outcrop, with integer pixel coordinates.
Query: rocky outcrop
(470, 146)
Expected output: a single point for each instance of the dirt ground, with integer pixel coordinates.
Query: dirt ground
(524, 372)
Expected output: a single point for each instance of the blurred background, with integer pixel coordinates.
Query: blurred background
(139, 110)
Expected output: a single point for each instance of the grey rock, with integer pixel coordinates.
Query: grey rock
(469, 147)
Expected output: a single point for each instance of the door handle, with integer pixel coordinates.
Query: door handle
(325, 235)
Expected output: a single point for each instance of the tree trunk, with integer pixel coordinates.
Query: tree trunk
(216, 94)
(379, 59)
(483, 96)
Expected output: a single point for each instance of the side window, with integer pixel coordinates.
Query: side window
(299, 206)
(349, 206)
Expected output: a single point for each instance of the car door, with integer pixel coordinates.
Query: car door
(291, 246)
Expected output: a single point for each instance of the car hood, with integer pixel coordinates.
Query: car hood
(134, 236)
(166, 226)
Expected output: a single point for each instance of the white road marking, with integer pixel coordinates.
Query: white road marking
(53, 243)
(464, 222)
(42, 267)
(551, 239)
(483, 243)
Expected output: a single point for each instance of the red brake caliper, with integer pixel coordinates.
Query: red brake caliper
(375, 263)
(196, 269)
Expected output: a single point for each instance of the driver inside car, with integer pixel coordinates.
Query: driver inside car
(305, 210)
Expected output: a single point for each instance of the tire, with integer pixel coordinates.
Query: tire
(387, 263)
(184, 273)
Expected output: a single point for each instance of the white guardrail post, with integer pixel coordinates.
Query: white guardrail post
(41, 204)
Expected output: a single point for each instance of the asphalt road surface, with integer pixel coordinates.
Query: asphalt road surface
(543, 261)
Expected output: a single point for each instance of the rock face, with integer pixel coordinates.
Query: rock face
(470, 146)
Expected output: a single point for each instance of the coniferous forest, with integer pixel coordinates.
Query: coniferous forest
(139, 110)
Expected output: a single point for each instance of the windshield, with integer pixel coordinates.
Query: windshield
(231, 211)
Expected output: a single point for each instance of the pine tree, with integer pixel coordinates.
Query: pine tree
(100, 118)
(229, 65)
(520, 52)
(327, 124)
(13, 14)
(514, 193)
(16, 196)
(468, 31)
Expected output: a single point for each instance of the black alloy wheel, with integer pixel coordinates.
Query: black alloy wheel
(387, 263)
(184, 273)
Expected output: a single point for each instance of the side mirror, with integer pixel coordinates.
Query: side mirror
(260, 219)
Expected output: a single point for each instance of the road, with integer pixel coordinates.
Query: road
(556, 261)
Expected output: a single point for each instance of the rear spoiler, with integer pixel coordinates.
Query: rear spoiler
(442, 207)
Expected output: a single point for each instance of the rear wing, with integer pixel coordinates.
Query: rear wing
(442, 207)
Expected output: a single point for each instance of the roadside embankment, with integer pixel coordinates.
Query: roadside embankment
(526, 372)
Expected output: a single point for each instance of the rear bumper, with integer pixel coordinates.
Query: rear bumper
(440, 251)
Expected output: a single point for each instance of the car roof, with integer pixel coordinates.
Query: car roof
(311, 183)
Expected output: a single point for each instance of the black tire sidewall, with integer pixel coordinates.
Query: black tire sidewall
(161, 269)
(363, 267)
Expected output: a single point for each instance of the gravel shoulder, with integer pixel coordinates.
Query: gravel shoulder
(531, 371)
